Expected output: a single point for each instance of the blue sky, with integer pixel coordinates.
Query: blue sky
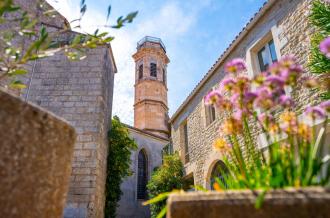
(195, 33)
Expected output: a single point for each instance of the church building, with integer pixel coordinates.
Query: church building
(151, 130)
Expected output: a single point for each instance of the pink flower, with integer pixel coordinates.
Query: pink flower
(286, 101)
(275, 68)
(213, 98)
(227, 84)
(248, 99)
(243, 83)
(265, 118)
(315, 112)
(325, 47)
(287, 61)
(326, 106)
(274, 81)
(236, 100)
(236, 65)
(264, 99)
(291, 74)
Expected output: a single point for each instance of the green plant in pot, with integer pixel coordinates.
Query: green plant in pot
(262, 106)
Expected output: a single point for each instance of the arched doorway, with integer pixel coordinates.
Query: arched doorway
(219, 171)
(142, 175)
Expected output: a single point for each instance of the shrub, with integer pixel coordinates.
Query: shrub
(318, 62)
(118, 164)
(167, 178)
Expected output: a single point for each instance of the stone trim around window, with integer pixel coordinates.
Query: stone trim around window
(252, 52)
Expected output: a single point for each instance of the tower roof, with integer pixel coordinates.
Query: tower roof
(151, 39)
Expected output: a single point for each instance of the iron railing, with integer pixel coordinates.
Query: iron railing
(150, 39)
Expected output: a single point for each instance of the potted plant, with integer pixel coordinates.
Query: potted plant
(279, 179)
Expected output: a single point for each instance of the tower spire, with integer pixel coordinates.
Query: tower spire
(150, 107)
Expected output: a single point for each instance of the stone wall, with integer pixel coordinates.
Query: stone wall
(81, 93)
(288, 23)
(129, 205)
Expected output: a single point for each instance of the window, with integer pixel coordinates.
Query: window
(164, 76)
(186, 143)
(142, 176)
(141, 71)
(267, 56)
(218, 171)
(210, 114)
(153, 70)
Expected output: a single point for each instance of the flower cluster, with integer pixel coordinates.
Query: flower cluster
(243, 98)
(325, 47)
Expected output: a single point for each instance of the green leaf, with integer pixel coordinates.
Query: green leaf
(200, 188)
(18, 72)
(158, 198)
(16, 84)
(83, 10)
(260, 199)
(162, 213)
(77, 39)
(96, 32)
(131, 16)
(109, 11)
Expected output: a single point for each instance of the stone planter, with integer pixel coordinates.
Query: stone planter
(36, 149)
(288, 203)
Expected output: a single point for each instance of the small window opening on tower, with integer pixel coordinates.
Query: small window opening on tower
(141, 71)
(153, 70)
(164, 76)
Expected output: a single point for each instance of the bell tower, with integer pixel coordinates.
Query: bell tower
(150, 106)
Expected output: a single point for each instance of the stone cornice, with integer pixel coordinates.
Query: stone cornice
(147, 51)
(146, 133)
(151, 100)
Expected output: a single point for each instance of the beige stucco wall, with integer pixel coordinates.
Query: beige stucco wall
(286, 21)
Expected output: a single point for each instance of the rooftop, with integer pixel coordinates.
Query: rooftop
(151, 39)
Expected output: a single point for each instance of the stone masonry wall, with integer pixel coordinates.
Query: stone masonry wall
(293, 37)
(81, 93)
(129, 205)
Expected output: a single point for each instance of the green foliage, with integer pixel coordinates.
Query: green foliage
(166, 179)
(118, 164)
(318, 62)
(320, 16)
(24, 39)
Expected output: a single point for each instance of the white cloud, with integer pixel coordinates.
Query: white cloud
(169, 22)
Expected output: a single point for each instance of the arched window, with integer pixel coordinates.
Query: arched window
(153, 70)
(141, 71)
(142, 176)
(218, 171)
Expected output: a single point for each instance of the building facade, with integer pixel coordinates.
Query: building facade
(80, 92)
(150, 130)
(280, 28)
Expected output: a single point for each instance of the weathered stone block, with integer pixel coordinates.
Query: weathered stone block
(288, 203)
(36, 150)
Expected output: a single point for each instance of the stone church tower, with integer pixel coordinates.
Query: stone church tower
(150, 107)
